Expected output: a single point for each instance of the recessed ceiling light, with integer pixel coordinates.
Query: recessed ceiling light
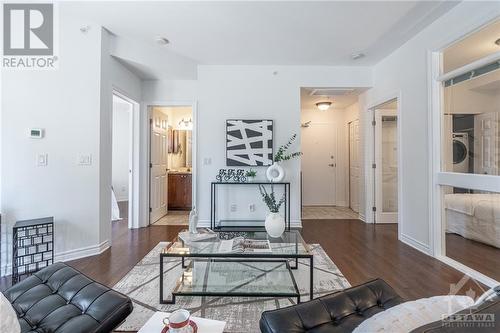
(162, 40)
(323, 106)
(497, 42)
(356, 56)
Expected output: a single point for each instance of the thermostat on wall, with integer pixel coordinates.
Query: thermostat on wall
(36, 133)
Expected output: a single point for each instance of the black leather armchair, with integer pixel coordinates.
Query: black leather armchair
(338, 312)
(60, 298)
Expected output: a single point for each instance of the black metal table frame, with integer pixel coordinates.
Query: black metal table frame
(265, 257)
(231, 293)
(213, 201)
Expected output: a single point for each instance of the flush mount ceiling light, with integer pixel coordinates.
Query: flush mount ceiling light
(497, 42)
(323, 106)
(356, 56)
(162, 41)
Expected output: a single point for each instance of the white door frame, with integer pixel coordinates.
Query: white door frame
(145, 145)
(438, 178)
(370, 159)
(380, 216)
(133, 156)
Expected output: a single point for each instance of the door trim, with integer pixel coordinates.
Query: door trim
(145, 148)
(134, 159)
(369, 158)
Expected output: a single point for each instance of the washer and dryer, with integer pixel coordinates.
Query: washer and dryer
(460, 152)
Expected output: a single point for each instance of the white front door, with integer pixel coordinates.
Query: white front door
(386, 166)
(158, 166)
(318, 143)
(354, 165)
(485, 143)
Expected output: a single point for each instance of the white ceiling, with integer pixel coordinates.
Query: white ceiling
(268, 33)
(341, 98)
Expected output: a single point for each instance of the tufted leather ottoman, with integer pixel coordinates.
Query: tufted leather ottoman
(60, 298)
(342, 311)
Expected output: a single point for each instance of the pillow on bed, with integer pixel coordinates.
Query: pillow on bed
(8, 322)
(408, 316)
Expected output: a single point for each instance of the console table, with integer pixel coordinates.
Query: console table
(213, 204)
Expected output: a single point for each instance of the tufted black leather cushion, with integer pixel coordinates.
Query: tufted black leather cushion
(338, 312)
(60, 299)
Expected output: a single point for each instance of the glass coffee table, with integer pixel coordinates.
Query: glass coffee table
(245, 274)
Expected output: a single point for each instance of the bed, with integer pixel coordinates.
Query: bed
(474, 216)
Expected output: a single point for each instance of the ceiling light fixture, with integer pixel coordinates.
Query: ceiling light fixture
(497, 42)
(323, 106)
(356, 56)
(162, 41)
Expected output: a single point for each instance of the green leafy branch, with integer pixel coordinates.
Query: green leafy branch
(281, 154)
(270, 199)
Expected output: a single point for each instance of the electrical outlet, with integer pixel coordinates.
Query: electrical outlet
(84, 159)
(234, 207)
(207, 161)
(251, 207)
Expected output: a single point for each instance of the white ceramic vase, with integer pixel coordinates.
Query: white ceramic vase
(275, 173)
(275, 225)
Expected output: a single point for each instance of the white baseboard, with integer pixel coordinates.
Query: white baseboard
(362, 217)
(67, 255)
(418, 245)
(478, 276)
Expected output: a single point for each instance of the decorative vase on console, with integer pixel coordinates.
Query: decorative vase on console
(275, 173)
(275, 223)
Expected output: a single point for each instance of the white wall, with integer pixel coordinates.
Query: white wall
(121, 149)
(405, 72)
(64, 102)
(255, 92)
(72, 104)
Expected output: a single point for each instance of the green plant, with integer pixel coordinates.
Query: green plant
(251, 173)
(270, 199)
(281, 154)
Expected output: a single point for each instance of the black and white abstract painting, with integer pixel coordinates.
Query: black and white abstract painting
(249, 142)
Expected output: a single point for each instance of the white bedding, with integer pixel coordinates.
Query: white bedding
(474, 216)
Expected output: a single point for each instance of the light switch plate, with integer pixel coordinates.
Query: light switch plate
(85, 159)
(42, 159)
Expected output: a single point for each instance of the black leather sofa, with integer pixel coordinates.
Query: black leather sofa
(343, 311)
(60, 298)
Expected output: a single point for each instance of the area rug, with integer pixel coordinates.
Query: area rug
(241, 314)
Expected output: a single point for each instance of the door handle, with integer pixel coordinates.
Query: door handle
(331, 165)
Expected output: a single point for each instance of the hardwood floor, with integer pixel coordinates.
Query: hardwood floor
(361, 251)
(364, 251)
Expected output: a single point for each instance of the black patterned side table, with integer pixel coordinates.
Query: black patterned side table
(33, 246)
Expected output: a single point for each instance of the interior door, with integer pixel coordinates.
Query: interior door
(485, 143)
(158, 166)
(318, 164)
(386, 166)
(354, 169)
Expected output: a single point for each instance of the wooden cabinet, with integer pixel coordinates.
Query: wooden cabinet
(179, 191)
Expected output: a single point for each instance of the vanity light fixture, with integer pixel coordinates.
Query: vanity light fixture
(323, 106)
(186, 123)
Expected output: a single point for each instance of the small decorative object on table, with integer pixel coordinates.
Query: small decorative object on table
(231, 175)
(275, 223)
(193, 221)
(179, 321)
(251, 174)
(275, 173)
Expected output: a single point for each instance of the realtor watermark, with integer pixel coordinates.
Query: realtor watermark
(30, 36)
(470, 317)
